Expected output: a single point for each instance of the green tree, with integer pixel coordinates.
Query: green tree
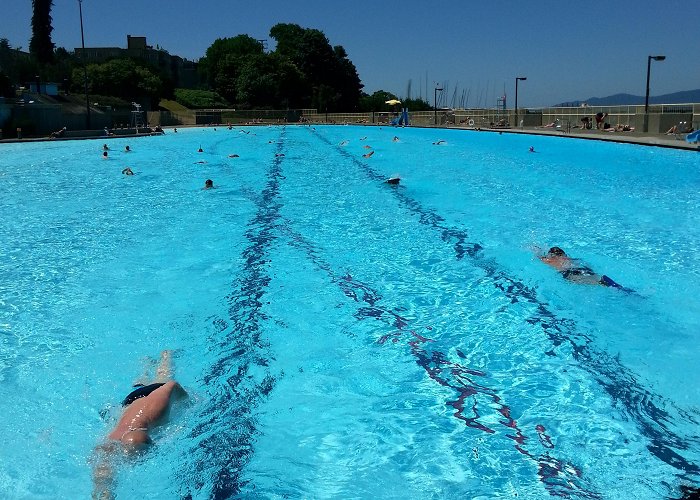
(124, 78)
(40, 45)
(221, 64)
(376, 101)
(268, 80)
(333, 82)
(6, 89)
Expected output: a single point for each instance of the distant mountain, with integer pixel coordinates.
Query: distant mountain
(628, 99)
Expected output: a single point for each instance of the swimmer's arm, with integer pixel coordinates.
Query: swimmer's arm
(102, 473)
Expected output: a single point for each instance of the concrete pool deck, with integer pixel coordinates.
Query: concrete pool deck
(660, 140)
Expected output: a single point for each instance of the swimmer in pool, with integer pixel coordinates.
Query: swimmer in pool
(441, 141)
(104, 155)
(368, 155)
(128, 171)
(573, 271)
(393, 180)
(144, 408)
(208, 184)
(127, 149)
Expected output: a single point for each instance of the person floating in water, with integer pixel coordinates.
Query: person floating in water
(394, 180)
(441, 141)
(573, 271)
(208, 184)
(532, 149)
(127, 149)
(105, 147)
(200, 150)
(104, 155)
(145, 407)
(128, 171)
(368, 155)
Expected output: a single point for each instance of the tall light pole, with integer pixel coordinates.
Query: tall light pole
(435, 102)
(646, 99)
(517, 79)
(82, 39)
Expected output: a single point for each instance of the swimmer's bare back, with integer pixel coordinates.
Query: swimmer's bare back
(146, 412)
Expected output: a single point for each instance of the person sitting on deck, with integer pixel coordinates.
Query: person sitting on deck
(600, 120)
(573, 271)
(58, 133)
(145, 407)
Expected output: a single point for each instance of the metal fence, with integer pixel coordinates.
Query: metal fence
(41, 119)
(661, 117)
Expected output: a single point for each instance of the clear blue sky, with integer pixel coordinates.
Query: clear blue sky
(567, 50)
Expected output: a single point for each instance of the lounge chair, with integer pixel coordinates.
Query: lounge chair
(681, 130)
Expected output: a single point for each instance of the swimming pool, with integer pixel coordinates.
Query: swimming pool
(341, 337)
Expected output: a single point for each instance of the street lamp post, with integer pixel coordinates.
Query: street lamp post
(646, 99)
(435, 102)
(82, 39)
(517, 79)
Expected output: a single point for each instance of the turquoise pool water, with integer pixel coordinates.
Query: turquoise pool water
(343, 338)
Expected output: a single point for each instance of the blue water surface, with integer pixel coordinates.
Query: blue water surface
(344, 338)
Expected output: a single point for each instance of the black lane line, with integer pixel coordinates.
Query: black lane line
(640, 404)
(560, 478)
(226, 432)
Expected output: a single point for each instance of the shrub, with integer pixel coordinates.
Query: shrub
(195, 99)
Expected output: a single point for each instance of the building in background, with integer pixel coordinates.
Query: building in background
(182, 71)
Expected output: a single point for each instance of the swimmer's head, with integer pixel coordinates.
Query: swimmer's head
(127, 148)
(208, 184)
(557, 252)
(104, 155)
